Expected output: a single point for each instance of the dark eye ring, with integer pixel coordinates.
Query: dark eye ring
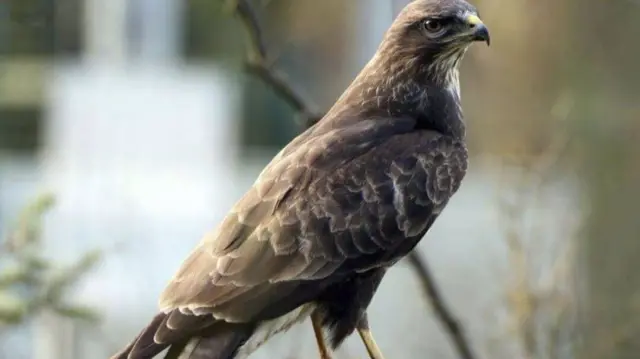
(433, 26)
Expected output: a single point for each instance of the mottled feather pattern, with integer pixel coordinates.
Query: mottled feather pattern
(333, 210)
(370, 199)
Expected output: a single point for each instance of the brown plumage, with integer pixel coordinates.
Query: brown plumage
(340, 204)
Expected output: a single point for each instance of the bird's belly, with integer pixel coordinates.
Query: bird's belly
(268, 329)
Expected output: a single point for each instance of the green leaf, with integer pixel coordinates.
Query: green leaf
(77, 312)
(12, 308)
(27, 229)
(57, 287)
(14, 275)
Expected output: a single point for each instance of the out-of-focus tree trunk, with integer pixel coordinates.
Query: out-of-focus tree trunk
(605, 71)
(613, 247)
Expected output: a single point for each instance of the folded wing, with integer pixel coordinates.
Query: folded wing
(348, 199)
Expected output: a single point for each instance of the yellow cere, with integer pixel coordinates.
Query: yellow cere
(474, 20)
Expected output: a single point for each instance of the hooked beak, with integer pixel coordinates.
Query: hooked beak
(478, 30)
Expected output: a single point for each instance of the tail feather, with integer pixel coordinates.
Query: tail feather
(222, 342)
(144, 346)
(195, 340)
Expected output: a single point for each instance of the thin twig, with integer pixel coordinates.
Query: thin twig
(452, 326)
(250, 19)
(278, 83)
(258, 66)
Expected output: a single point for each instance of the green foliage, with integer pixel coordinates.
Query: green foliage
(211, 32)
(30, 282)
(30, 27)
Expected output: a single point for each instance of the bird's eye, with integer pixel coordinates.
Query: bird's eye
(433, 27)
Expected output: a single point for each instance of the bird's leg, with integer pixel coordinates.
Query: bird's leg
(367, 338)
(317, 330)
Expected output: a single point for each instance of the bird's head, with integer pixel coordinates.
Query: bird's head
(433, 35)
(414, 72)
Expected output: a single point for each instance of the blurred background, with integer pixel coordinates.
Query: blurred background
(128, 128)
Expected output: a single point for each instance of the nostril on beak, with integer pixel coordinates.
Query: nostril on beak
(477, 27)
(473, 21)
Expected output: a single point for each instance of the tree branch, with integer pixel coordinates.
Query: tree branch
(451, 325)
(258, 66)
(245, 12)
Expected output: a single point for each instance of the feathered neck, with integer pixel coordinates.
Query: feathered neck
(393, 85)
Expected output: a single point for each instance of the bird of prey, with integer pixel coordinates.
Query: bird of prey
(335, 209)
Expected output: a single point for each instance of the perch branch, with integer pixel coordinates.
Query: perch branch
(258, 66)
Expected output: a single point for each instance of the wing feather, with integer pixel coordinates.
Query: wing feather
(341, 201)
